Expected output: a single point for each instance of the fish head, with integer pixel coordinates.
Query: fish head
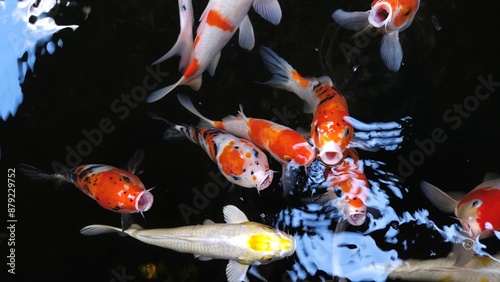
(355, 210)
(477, 209)
(271, 244)
(392, 15)
(331, 139)
(265, 179)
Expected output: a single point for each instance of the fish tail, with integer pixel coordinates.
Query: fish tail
(34, 173)
(173, 131)
(188, 104)
(160, 93)
(184, 43)
(97, 229)
(280, 69)
(351, 20)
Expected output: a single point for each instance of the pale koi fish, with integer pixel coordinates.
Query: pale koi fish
(218, 23)
(389, 17)
(241, 242)
(283, 143)
(240, 161)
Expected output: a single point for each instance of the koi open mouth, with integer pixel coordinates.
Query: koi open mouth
(356, 218)
(144, 201)
(380, 14)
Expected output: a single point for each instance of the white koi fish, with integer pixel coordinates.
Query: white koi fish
(389, 17)
(241, 242)
(218, 23)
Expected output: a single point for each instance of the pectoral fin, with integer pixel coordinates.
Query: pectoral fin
(246, 35)
(351, 20)
(438, 198)
(236, 272)
(270, 10)
(462, 255)
(234, 215)
(391, 51)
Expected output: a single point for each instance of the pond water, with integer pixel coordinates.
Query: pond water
(78, 97)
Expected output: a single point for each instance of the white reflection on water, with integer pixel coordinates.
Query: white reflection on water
(24, 25)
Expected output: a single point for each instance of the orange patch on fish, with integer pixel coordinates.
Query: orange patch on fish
(193, 67)
(214, 18)
(302, 81)
(231, 160)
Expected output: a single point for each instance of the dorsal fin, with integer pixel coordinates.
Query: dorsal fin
(490, 176)
(234, 215)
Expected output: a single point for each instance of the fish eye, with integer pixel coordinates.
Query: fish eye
(476, 203)
(347, 130)
(407, 12)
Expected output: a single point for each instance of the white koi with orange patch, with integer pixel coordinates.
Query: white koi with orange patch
(218, 23)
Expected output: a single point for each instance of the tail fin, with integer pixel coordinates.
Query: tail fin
(186, 103)
(173, 131)
(160, 93)
(34, 173)
(184, 43)
(98, 229)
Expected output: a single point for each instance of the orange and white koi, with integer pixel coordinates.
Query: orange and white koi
(349, 183)
(330, 133)
(114, 189)
(218, 23)
(240, 161)
(283, 143)
(389, 17)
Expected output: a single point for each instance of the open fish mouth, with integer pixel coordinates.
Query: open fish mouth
(144, 201)
(380, 14)
(356, 218)
(268, 179)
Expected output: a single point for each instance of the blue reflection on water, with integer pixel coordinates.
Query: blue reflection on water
(24, 25)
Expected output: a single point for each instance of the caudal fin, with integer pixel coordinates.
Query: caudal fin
(34, 173)
(351, 20)
(173, 131)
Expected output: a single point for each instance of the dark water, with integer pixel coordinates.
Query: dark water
(84, 82)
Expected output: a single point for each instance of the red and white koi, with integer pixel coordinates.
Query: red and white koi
(283, 143)
(218, 23)
(330, 132)
(114, 189)
(389, 17)
(240, 161)
(348, 182)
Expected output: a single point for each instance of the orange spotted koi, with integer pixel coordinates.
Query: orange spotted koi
(218, 23)
(330, 133)
(240, 161)
(283, 143)
(114, 189)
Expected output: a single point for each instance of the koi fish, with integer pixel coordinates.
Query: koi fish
(349, 183)
(479, 269)
(330, 133)
(283, 143)
(240, 161)
(114, 189)
(218, 23)
(389, 17)
(241, 242)
(478, 211)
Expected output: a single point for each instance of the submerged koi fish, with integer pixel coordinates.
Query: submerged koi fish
(218, 23)
(389, 17)
(283, 143)
(114, 189)
(240, 161)
(350, 184)
(478, 211)
(241, 242)
(330, 133)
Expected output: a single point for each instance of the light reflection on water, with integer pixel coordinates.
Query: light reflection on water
(24, 25)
